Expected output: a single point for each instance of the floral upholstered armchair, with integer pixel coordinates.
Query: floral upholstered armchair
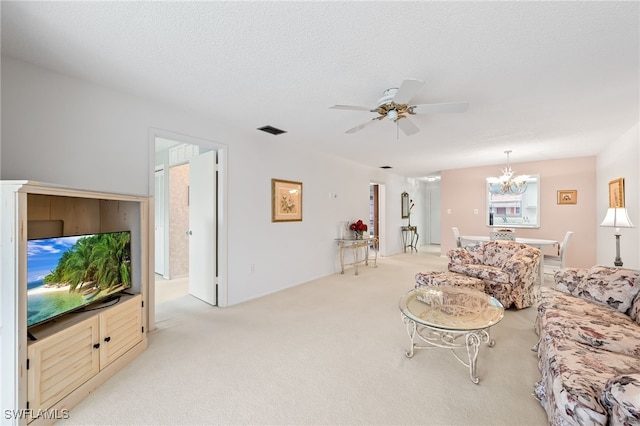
(508, 269)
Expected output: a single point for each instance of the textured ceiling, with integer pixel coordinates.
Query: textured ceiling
(544, 79)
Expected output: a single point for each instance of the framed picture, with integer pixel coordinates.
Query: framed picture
(286, 201)
(567, 196)
(616, 193)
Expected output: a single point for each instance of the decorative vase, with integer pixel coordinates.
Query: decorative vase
(358, 235)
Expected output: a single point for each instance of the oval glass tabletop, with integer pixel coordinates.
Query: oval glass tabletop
(451, 308)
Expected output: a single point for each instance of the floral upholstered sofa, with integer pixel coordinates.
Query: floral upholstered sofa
(508, 269)
(589, 347)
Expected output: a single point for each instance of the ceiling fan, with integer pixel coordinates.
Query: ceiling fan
(395, 106)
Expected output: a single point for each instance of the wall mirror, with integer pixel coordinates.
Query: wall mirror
(404, 198)
(509, 210)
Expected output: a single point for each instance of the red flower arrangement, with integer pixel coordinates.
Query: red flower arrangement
(358, 226)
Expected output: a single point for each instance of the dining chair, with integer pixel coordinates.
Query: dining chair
(456, 235)
(559, 260)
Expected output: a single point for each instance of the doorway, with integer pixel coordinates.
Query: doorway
(374, 209)
(176, 155)
(377, 214)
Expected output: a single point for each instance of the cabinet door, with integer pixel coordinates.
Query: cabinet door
(120, 329)
(62, 362)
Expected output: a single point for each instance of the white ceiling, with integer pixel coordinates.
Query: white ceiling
(545, 79)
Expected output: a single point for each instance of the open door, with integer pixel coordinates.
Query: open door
(159, 222)
(202, 227)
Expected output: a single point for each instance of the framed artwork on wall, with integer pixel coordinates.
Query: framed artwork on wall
(286, 201)
(616, 193)
(567, 196)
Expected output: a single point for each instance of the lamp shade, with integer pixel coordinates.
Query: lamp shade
(617, 218)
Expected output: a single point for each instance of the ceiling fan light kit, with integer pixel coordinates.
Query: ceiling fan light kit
(395, 106)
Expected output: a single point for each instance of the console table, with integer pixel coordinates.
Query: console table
(409, 237)
(357, 245)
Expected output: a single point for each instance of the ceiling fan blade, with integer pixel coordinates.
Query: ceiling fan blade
(407, 126)
(407, 90)
(439, 108)
(365, 124)
(351, 107)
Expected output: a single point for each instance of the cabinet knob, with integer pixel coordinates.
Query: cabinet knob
(96, 346)
(107, 339)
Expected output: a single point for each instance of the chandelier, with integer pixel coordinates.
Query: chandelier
(507, 183)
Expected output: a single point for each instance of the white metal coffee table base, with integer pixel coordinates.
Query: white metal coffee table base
(449, 339)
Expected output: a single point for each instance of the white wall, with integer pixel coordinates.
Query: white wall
(61, 130)
(621, 158)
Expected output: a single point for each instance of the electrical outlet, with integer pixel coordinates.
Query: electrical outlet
(475, 211)
(448, 211)
(252, 268)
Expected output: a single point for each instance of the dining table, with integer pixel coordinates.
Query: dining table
(539, 243)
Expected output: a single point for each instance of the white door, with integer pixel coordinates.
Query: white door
(202, 227)
(159, 222)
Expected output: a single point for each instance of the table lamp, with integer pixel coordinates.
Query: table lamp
(617, 218)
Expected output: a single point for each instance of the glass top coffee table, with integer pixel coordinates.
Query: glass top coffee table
(450, 318)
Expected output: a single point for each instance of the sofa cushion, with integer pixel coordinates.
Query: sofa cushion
(497, 253)
(460, 256)
(561, 315)
(466, 255)
(615, 287)
(567, 280)
(482, 271)
(477, 252)
(549, 298)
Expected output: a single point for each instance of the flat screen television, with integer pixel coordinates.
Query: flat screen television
(65, 274)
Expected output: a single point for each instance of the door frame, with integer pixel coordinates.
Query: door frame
(164, 223)
(221, 213)
(382, 217)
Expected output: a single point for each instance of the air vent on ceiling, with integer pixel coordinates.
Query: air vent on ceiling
(272, 130)
(386, 167)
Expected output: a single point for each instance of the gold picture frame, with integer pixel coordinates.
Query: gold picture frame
(616, 193)
(286, 201)
(567, 196)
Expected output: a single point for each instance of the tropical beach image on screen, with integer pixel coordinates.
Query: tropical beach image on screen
(67, 273)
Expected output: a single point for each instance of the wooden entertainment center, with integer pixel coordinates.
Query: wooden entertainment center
(64, 360)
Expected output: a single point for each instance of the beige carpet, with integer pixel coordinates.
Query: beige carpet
(328, 352)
